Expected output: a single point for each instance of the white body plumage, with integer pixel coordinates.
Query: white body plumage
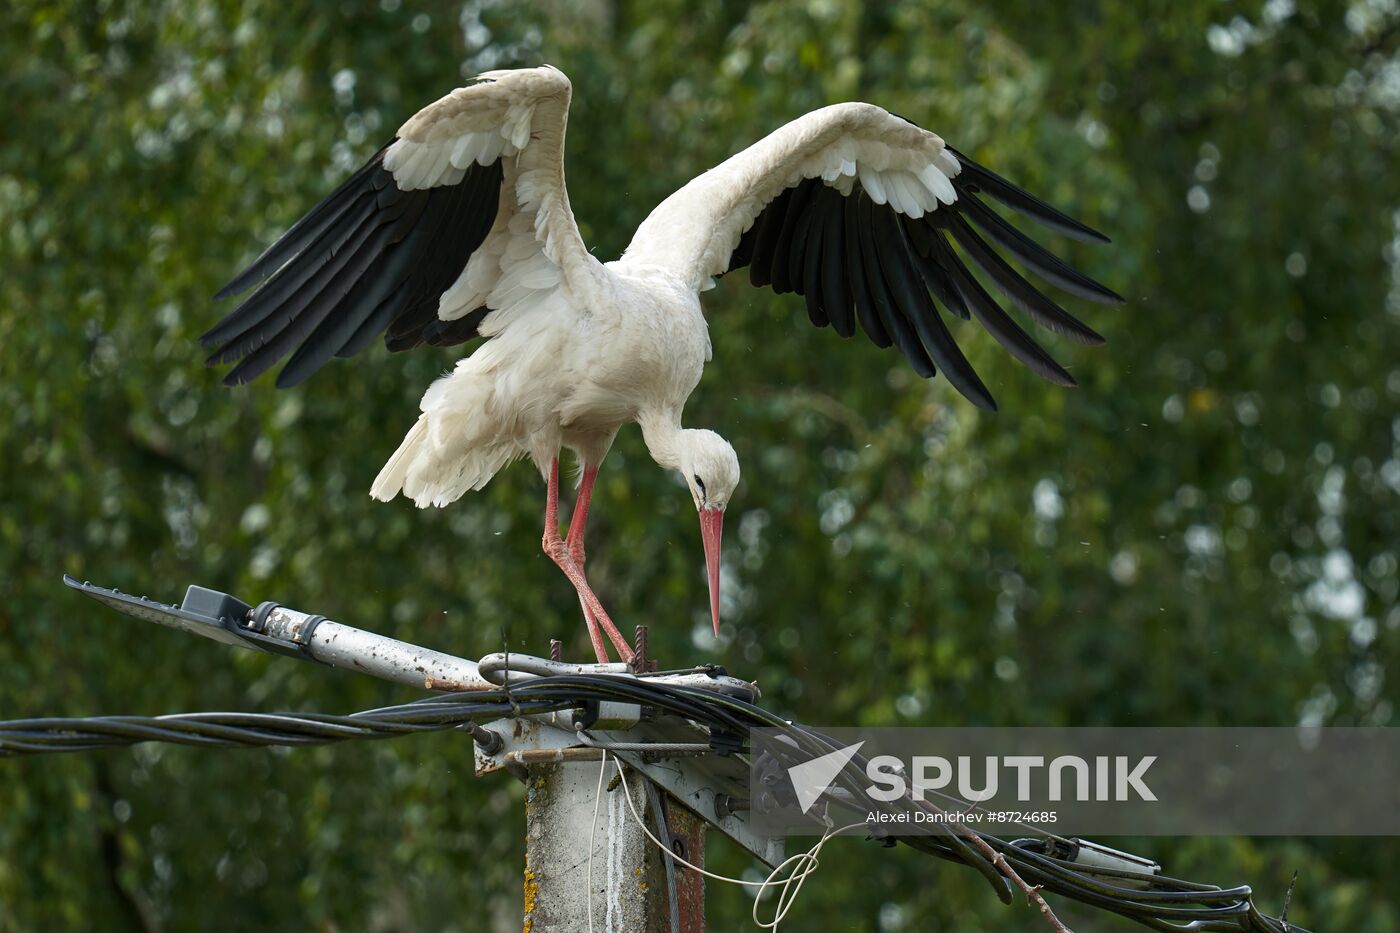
(567, 372)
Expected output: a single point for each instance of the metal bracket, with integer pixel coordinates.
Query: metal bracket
(714, 787)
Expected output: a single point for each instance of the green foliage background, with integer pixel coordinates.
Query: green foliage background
(1204, 533)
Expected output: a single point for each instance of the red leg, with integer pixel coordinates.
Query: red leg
(578, 521)
(555, 547)
(578, 525)
(559, 551)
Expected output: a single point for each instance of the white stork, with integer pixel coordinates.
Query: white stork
(460, 227)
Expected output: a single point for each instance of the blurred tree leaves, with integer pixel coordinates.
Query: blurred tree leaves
(1206, 532)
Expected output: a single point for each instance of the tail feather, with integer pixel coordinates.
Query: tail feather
(436, 474)
(444, 476)
(391, 478)
(457, 444)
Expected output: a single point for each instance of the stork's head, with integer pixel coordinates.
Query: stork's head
(711, 470)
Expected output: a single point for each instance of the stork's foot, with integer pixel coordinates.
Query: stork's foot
(594, 615)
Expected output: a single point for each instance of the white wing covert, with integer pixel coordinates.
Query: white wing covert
(852, 207)
(462, 215)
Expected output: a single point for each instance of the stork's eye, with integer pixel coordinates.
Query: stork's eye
(699, 483)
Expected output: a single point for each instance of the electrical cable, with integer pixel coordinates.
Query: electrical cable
(1158, 902)
(658, 810)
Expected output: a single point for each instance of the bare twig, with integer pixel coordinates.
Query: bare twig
(999, 862)
(1032, 891)
(1287, 900)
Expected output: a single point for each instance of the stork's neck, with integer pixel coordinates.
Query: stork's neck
(662, 432)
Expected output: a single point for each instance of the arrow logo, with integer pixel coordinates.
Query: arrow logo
(812, 778)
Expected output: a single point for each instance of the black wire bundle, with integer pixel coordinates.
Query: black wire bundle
(1155, 901)
(250, 730)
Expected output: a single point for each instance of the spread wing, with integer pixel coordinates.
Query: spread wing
(859, 211)
(462, 214)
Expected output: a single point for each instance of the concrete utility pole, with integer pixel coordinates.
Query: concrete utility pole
(630, 892)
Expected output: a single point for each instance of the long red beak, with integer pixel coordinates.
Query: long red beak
(711, 528)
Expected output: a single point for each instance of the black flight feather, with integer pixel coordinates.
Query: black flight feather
(370, 257)
(743, 253)
(379, 278)
(812, 261)
(1036, 257)
(797, 243)
(289, 244)
(908, 290)
(770, 226)
(1026, 296)
(372, 327)
(338, 331)
(859, 270)
(921, 237)
(292, 276)
(782, 272)
(441, 226)
(299, 316)
(997, 322)
(894, 318)
(450, 333)
(838, 287)
(1020, 200)
(283, 299)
